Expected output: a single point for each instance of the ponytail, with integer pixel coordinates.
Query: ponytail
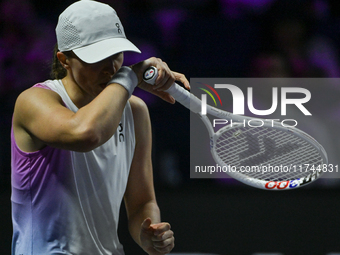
(57, 70)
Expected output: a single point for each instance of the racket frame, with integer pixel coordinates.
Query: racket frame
(194, 104)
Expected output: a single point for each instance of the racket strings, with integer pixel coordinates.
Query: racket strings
(266, 153)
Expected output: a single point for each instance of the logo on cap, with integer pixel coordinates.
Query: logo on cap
(119, 30)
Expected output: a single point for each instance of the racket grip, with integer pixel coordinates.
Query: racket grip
(180, 94)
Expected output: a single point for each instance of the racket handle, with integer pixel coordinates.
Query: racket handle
(180, 94)
(185, 98)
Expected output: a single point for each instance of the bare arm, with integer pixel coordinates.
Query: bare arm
(140, 195)
(145, 226)
(40, 118)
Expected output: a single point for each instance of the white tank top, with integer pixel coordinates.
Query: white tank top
(67, 202)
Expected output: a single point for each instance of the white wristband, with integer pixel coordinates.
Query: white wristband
(125, 77)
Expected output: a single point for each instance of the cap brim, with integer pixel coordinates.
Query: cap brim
(103, 49)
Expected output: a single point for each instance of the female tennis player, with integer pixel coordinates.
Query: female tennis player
(81, 143)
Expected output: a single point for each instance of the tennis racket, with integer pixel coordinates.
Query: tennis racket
(270, 156)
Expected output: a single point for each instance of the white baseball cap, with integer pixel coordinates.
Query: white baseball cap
(92, 30)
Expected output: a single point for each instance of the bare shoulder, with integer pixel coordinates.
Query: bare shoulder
(32, 113)
(36, 95)
(141, 118)
(32, 100)
(139, 109)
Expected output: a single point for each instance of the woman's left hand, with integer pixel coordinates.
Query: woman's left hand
(156, 239)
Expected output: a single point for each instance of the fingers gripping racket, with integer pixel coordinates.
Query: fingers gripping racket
(270, 156)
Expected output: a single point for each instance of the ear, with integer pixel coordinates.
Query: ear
(64, 61)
